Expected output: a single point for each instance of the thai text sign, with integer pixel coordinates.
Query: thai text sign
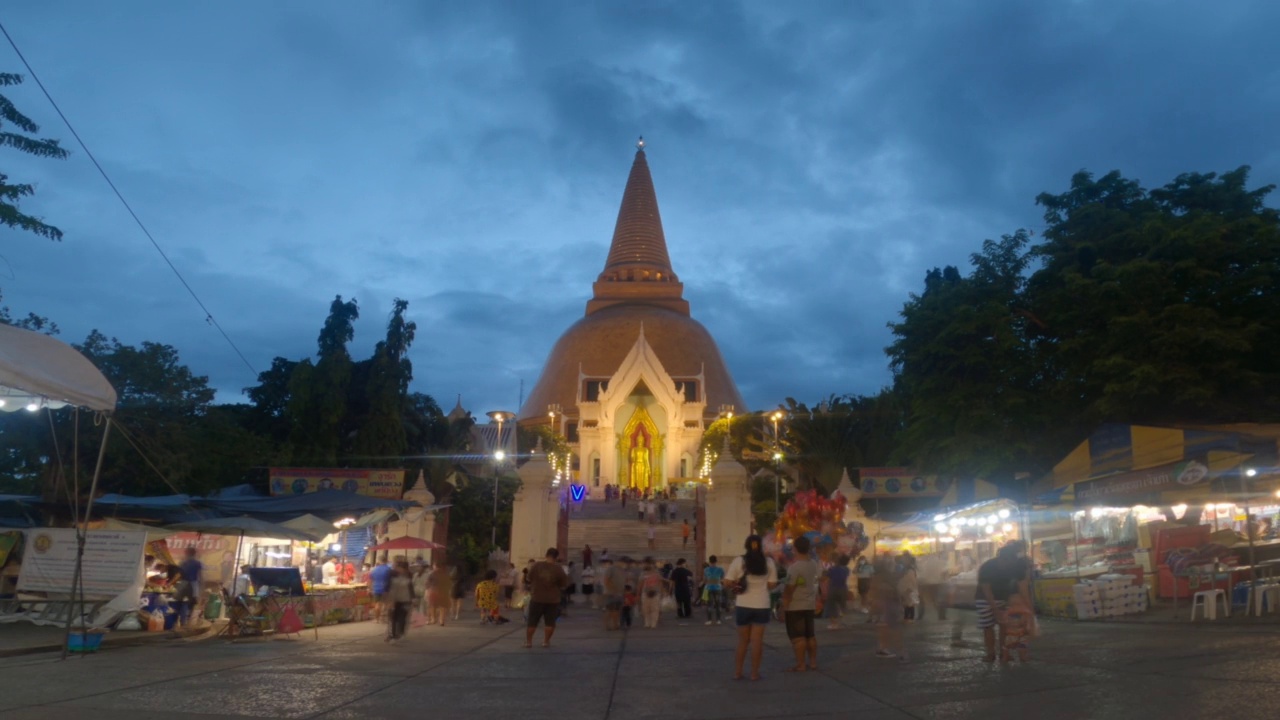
(1139, 483)
(112, 561)
(888, 482)
(374, 483)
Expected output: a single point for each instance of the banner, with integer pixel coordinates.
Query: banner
(387, 484)
(217, 553)
(890, 482)
(1129, 487)
(8, 541)
(112, 559)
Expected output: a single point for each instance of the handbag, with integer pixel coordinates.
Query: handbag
(668, 603)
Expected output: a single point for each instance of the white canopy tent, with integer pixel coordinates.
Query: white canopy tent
(40, 372)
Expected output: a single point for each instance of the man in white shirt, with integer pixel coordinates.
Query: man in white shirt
(241, 585)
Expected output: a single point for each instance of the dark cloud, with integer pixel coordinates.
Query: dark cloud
(812, 161)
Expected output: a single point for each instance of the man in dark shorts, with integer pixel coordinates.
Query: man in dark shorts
(799, 603)
(998, 578)
(547, 580)
(682, 581)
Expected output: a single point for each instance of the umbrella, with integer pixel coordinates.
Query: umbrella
(242, 526)
(407, 543)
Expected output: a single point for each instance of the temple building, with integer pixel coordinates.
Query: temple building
(634, 383)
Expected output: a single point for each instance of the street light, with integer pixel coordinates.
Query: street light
(499, 455)
(777, 460)
(1248, 525)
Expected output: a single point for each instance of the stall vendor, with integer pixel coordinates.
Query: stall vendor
(329, 571)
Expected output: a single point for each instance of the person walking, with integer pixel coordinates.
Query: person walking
(400, 597)
(586, 556)
(439, 592)
(662, 510)
(487, 597)
(641, 506)
(684, 534)
(379, 583)
(682, 582)
(799, 605)
(713, 592)
(932, 575)
(886, 604)
(837, 598)
(547, 580)
(188, 587)
(753, 575)
(459, 590)
(653, 537)
(588, 587)
(1003, 576)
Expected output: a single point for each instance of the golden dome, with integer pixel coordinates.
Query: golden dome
(599, 342)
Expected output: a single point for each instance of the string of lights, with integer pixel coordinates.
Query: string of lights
(208, 316)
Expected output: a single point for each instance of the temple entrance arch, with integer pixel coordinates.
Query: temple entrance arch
(640, 444)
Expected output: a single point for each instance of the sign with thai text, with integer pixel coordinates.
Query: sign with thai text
(387, 484)
(111, 565)
(1140, 483)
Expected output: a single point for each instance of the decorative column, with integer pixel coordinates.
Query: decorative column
(536, 512)
(728, 508)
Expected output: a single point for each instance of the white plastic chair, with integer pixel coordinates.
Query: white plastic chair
(1207, 601)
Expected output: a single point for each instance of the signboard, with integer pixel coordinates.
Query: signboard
(1055, 597)
(111, 565)
(889, 482)
(387, 484)
(1126, 488)
(217, 553)
(8, 541)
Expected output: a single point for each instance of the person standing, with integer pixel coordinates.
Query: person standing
(242, 584)
(379, 584)
(713, 579)
(999, 579)
(439, 592)
(641, 506)
(932, 576)
(586, 556)
(799, 604)
(652, 534)
(682, 581)
(400, 597)
(662, 510)
(588, 587)
(188, 590)
(459, 590)
(652, 589)
(547, 580)
(507, 582)
(612, 585)
(864, 570)
(909, 587)
(886, 604)
(684, 534)
(487, 597)
(837, 602)
(624, 499)
(754, 575)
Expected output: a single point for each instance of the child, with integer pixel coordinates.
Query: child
(1019, 625)
(628, 602)
(487, 597)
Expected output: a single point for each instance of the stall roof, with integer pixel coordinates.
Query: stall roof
(244, 525)
(36, 368)
(329, 504)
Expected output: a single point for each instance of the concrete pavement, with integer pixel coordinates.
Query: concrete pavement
(674, 672)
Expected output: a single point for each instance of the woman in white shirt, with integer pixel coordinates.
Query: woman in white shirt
(753, 575)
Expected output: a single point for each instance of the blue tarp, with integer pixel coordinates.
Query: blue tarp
(328, 504)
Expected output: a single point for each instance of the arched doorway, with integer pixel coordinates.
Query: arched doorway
(641, 446)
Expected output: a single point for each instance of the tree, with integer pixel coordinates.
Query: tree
(33, 322)
(1156, 307)
(318, 392)
(380, 428)
(22, 140)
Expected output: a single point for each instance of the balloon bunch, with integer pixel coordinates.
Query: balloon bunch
(821, 519)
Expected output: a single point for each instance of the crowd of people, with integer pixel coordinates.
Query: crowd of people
(891, 590)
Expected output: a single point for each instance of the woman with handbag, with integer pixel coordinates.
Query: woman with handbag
(751, 577)
(653, 588)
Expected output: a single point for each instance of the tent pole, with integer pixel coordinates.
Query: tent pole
(82, 531)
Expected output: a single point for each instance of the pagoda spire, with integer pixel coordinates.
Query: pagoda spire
(638, 269)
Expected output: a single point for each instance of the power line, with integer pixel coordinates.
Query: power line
(208, 316)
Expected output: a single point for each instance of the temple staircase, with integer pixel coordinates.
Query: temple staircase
(608, 526)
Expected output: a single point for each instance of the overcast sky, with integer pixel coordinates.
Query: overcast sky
(811, 163)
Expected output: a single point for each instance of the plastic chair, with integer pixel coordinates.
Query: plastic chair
(1264, 597)
(1207, 601)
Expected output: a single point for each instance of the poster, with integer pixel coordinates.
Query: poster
(112, 560)
(1055, 597)
(217, 553)
(890, 482)
(374, 483)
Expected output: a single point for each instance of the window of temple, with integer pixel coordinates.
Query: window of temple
(591, 390)
(571, 431)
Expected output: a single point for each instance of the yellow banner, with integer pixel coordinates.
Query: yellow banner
(374, 483)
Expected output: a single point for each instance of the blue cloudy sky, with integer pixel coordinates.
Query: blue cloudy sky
(812, 161)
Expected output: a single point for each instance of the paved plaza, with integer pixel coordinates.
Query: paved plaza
(1128, 671)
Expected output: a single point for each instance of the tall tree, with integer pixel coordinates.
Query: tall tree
(21, 138)
(318, 392)
(380, 431)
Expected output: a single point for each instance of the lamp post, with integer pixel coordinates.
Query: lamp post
(1248, 526)
(777, 461)
(499, 456)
